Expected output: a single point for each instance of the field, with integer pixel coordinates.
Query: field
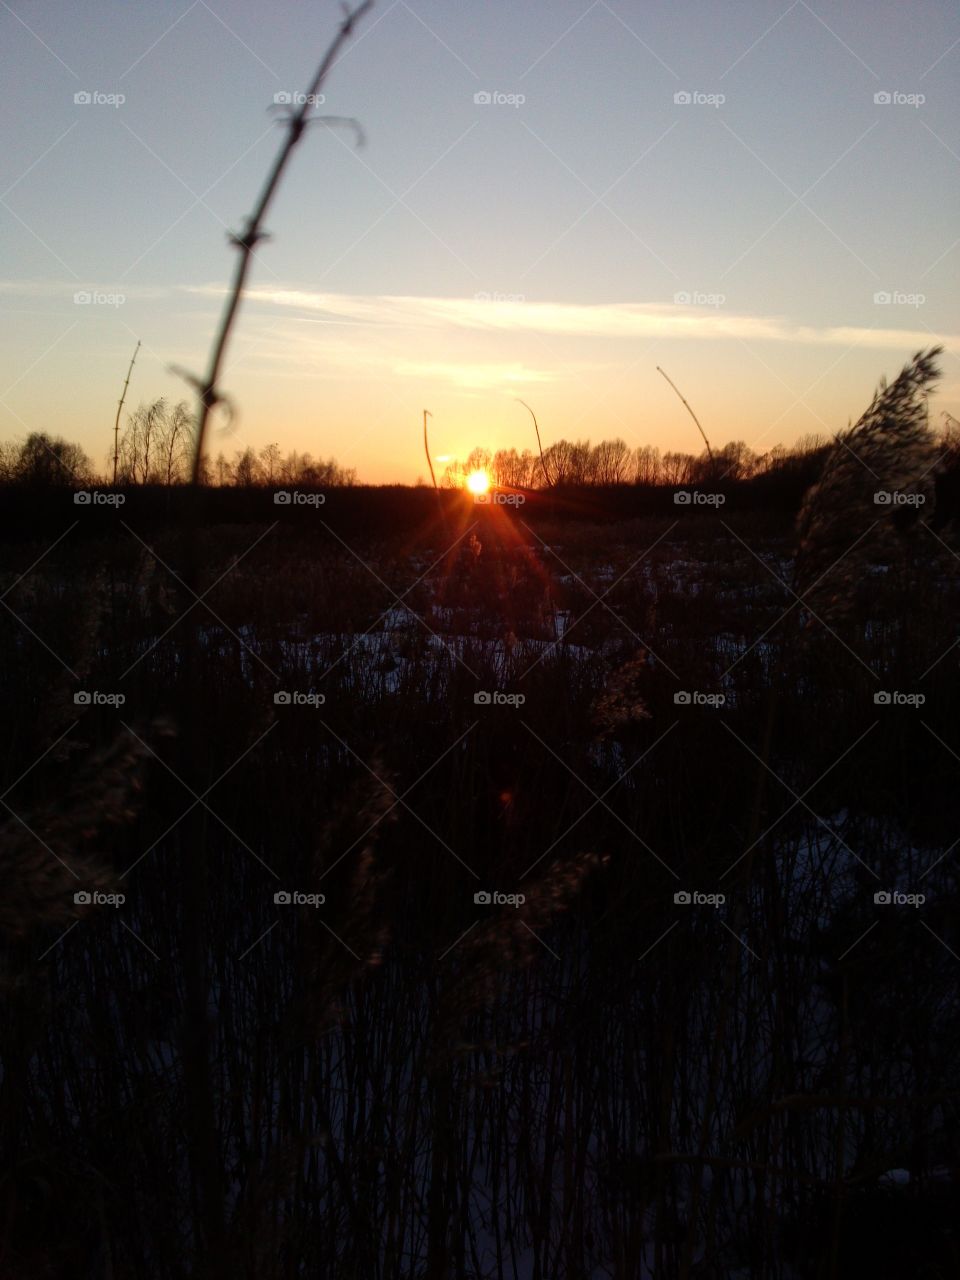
(702, 1019)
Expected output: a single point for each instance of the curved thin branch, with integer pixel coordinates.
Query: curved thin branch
(247, 240)
(116, 425)
(546, 474)
(426, 447)
(693, 416)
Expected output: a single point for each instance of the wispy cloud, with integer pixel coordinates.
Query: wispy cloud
(601, 320)
(64, 290)
(301, 347)
(476, 376)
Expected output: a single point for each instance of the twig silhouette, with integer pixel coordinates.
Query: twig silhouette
(536, 428)
(116, 425)
(247, 241)
(426, 447)
(693, 416)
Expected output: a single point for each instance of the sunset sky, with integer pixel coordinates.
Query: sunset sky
(556, 243)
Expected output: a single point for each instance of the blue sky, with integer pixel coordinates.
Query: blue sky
(556, 243)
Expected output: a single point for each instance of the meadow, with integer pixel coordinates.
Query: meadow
(700, 768)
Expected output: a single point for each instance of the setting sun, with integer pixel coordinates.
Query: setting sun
(478, 482)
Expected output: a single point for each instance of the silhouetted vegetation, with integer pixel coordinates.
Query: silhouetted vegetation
(598, 1080)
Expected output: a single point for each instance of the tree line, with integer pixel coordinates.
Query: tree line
(156, 447)
(614, 462)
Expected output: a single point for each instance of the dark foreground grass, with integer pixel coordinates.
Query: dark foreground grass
(599, 1080)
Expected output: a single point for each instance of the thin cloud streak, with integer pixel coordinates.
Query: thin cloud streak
(601, 320)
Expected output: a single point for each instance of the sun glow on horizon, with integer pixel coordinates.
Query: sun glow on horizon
(478, 482)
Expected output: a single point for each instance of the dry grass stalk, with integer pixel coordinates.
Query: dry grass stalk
(891, 450)
(246, 242)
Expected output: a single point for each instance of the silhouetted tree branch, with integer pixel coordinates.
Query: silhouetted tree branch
(247, 241)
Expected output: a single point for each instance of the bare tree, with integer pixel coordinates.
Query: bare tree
(177, 442)
(270, 459)
(478, 459)
(610, 462)
(246, 469)
(647, 464)
(677, 468)
(156, 445)
(513, 470)
(558, 462)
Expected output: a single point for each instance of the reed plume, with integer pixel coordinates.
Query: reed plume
(877, 475)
